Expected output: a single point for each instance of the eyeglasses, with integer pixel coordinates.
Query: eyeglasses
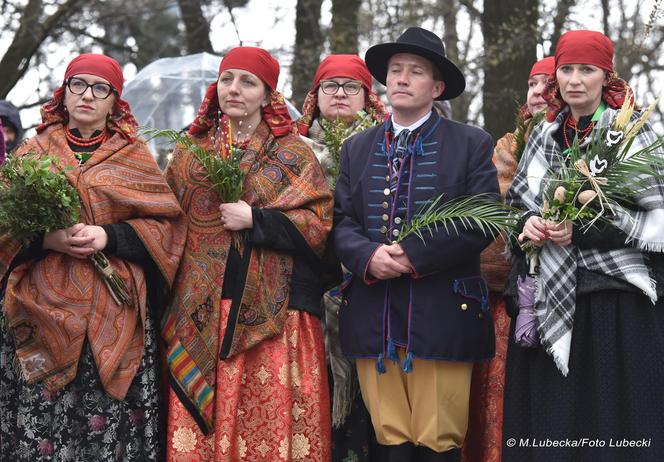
(330, 87)
(79, 86)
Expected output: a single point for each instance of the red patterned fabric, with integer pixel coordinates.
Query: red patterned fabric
(55, 304)
(271, 402)
(483, 441)
(282, 174)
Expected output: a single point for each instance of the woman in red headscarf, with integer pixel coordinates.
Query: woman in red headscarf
(584, 364)
(484, 437)
(245, 343)
(341, 102)
(79, 378)
(341, 96)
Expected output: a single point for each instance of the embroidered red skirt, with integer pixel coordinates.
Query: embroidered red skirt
(272, 403)
(485, 424)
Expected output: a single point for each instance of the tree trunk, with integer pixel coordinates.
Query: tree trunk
(308, 47)
(196, 26)
(559, 20)
(510, 51)
(449, 13)
(344, 31)
(33, 30)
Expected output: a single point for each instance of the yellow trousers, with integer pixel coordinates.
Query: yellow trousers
(427, 406)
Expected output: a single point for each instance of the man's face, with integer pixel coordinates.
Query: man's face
(410, 83)
(9, 132)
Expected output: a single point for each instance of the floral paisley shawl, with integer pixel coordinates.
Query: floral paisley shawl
(282, 174)
(52, 305)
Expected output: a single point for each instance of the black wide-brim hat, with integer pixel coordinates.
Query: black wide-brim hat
(423, 43)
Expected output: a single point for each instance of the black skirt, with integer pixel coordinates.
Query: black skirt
(80, 422)
(611, 405)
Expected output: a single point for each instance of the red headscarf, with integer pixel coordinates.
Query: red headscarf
(585, 47)
(264, 66)
(545, 66)
(348, 66)
(99, 65)
(255, 60)
(121, 120)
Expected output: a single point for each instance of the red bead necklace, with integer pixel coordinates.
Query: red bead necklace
(580, 134)
(86, 142)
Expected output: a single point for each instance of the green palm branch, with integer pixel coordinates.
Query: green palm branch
(479, 212)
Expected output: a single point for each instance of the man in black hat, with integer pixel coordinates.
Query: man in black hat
(415, 314)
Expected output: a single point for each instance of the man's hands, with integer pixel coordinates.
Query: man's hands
(389, 261)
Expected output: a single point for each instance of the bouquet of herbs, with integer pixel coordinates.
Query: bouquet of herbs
(467, 212)
(36, 198)
(337, 131)
(221, 170)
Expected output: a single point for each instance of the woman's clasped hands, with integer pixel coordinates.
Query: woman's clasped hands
(78, 241)
(538, 231)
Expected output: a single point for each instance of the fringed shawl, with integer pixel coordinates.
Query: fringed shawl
(283, 175)
(54, 304)
(556, 282)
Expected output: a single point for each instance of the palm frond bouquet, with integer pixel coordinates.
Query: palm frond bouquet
(479, 212)
(36, 198)
(605, 173)
(337, 131)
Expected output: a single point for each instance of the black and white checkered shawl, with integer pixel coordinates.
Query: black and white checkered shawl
(556, 281)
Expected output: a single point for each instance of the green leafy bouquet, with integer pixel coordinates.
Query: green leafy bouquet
(337, 131)
(222, 170)
(36, 198)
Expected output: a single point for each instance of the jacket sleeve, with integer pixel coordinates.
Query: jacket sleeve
(353, 247)
(440, 250)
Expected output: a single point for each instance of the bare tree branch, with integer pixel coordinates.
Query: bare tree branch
(101, 40)
(234, 22)
(31, 33)
(472, 11)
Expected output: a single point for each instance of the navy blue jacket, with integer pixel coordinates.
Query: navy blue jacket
(448, 316)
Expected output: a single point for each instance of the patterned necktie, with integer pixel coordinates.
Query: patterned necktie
(403, 139)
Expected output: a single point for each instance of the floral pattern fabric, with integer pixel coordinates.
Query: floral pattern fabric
(271, 403)
(80, 422)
